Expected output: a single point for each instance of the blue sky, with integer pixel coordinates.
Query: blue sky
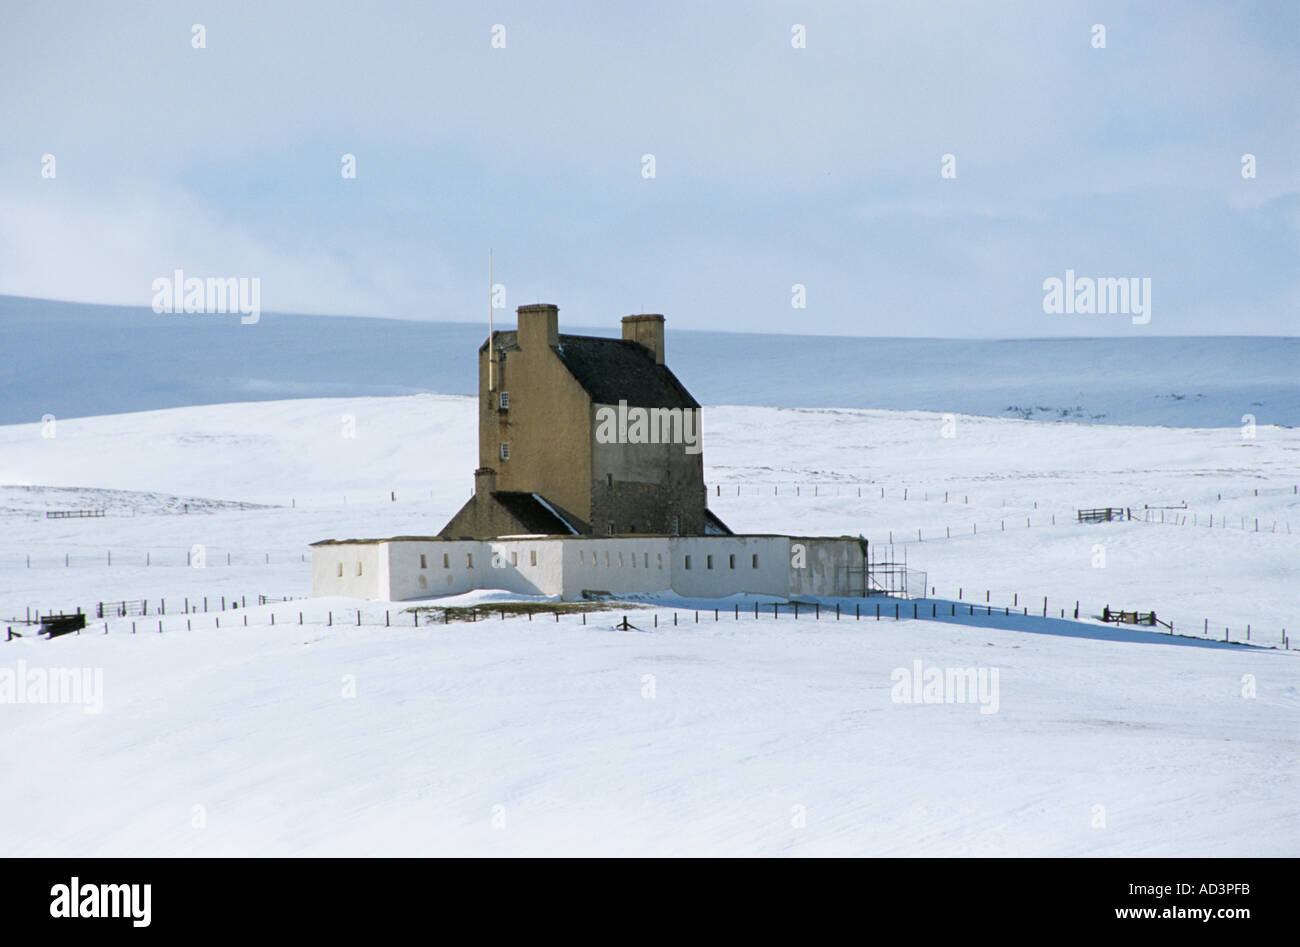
(774, 165)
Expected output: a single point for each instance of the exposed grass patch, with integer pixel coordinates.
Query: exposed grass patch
(450, 613)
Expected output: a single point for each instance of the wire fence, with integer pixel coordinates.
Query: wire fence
(270, 612)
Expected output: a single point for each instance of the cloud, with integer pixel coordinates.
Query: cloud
(774, 165)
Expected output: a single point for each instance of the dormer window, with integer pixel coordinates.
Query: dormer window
(503, 400)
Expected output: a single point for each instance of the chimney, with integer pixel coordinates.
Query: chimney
(649, 331)
(539, 326)
(485, 481)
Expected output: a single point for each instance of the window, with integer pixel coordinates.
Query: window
(659, 558)
(620, 560)
(424, 562)
(609, 480)
(688, 562)
(514, 558)
(469, 560)
(340, 570)
(446, 560)
(708, 562)
(582, 556)
(606, 558)
(647, 560)
(609, 530)
(358, 568)
(503, 401)
(677, 525)
(532, 557)
(754, 562)
(731, 562)
(505, 450)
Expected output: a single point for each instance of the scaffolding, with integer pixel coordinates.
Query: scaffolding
(885, 575)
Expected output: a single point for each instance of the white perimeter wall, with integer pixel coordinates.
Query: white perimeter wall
(334, 570)
(719, 566)
(619, 566)
(702, 581)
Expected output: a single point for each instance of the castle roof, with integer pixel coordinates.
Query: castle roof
(614, 370)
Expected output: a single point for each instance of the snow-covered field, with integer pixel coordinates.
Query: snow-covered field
(738, 736)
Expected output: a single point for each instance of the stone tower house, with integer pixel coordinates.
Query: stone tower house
(582, 435)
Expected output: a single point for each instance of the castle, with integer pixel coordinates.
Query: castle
(590, 483)
(556, 453)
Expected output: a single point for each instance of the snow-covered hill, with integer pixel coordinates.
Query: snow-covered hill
(736, 736)
(191, 359)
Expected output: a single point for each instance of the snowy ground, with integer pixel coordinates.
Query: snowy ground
(758, 736)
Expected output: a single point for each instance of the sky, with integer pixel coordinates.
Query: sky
(775, 165)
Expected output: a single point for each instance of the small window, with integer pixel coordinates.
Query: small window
(582, 557)
(503, 400)
(358, 568)
(677, 525)
(647, 560)
(505, 450)
(609, 530)
(424, 562)
(609, 479)
(606, 558)
(532, 557)
(659, 559)
(340, 570)
(620, 560)
(688, 562)
(446, 560)
(731, 562)
(754, 562)
(514, 558)
(469, 560)
(708, 562)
